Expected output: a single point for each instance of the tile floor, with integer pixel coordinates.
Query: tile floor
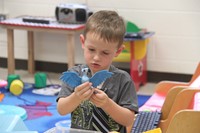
(53, 78)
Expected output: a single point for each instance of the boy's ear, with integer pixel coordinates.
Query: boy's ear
(120, 49)
(82, 39)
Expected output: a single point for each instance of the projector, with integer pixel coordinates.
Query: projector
(72, 13)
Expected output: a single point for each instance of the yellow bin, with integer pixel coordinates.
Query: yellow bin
(16, 87)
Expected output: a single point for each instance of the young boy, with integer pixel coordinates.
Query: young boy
(115, 100)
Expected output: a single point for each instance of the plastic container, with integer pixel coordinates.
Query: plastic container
(12, 110)
(10, 78)
(72, 130)
(10, 123)
(64, 127)
(40, 80)
(16, 87)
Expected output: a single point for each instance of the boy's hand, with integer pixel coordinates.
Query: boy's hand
(84, 91)
(99, 98)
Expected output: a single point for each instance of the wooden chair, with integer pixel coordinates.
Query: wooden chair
(170, 88)
(185, 121)
(176, 113)
(171, 95)
(169, 108)
(181, 117)
(163, 88)
(169, 100)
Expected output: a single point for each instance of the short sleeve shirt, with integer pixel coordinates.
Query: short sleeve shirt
(120, 88)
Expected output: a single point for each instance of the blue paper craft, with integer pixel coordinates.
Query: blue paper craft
(73, 79)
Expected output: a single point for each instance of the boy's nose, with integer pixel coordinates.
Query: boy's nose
(96, 57)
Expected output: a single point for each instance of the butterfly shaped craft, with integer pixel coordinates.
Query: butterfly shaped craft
(73, 79)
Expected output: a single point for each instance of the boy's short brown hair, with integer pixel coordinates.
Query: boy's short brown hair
(106, 25)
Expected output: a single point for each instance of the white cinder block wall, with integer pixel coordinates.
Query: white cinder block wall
(175, 48)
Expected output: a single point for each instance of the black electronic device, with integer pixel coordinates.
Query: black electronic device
(39, 20)
(146, 121)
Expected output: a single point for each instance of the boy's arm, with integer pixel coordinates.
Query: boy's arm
(120, 114)
(67, 104)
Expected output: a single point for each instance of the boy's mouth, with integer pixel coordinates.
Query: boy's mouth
(95, 65)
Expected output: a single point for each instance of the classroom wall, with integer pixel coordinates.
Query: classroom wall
(1, 6)
(174, 48)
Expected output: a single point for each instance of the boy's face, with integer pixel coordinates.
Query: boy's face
(98, 53)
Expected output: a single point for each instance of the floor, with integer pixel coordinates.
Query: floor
(53, 78)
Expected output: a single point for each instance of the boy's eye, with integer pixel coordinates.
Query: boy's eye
(90, 49)
(105, 53)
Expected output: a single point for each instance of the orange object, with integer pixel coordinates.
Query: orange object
(1, 96)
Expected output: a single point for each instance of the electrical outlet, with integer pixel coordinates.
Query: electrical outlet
(2, 17)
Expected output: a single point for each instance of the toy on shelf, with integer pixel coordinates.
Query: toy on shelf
(133, 33)
(73, 79)
(135, 52)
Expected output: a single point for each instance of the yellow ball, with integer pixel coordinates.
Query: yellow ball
(16, 87)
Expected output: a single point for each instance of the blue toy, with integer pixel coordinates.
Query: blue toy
(73, 79)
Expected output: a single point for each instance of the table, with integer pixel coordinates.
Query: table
(17, 24)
